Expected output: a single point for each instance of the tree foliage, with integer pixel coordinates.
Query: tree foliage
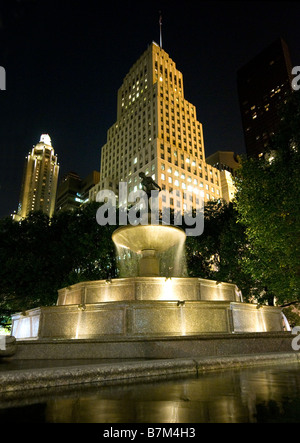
(38, 256)
(267, 201)
(218, 253)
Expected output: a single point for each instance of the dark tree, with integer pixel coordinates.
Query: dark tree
(267, 201)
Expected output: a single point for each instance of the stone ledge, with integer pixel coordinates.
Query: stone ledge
(198, 346)
(135, 371)
(9, 346)
(120, 339)
(98, 373)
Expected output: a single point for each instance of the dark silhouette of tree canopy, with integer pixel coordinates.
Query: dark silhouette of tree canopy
(38, 256)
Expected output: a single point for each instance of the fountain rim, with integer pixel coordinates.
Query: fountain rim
(180, 231)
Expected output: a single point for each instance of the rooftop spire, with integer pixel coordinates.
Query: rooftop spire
(160, 30)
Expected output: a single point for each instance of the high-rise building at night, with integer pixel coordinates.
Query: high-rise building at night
(157, 132)
(38, 191)
(68, 192)
(72, 191)
(263, 86)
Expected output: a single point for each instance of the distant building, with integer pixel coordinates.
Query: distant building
(224, 161)
(263, 86)
(68, 192)
(73, 191)
(227, 163)
(157, 132)
(88, 183)
(38, 191)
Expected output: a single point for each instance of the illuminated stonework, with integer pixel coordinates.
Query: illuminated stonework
(145, 318)
(38, 192)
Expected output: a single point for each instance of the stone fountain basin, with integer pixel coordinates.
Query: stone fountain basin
(148, 237)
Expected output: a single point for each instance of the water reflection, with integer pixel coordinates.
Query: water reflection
(248, 395)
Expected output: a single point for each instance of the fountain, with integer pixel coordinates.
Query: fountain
(148, 241)
(131, 316)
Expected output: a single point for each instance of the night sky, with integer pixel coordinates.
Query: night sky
(66, 59)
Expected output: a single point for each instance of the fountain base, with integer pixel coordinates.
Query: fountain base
(150, 317)
(145, 307)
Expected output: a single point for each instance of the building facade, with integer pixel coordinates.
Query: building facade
(73, 191)
(157, 132)
(227, 162)
(263, 86)
(39, 184)
(68, 192)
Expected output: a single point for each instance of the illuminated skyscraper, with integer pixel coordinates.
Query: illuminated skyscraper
(157, 132)
(38, 191)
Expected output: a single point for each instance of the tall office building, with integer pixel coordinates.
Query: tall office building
(263, 86)
(38, 191)
(157, 132)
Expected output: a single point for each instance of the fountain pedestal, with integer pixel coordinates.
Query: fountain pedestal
(149, 263)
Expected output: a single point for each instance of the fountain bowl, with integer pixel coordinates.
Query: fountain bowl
(159, 238)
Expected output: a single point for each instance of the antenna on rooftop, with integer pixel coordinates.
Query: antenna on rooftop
(160, 31)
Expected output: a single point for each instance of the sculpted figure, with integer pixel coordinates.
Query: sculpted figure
(148, 184)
